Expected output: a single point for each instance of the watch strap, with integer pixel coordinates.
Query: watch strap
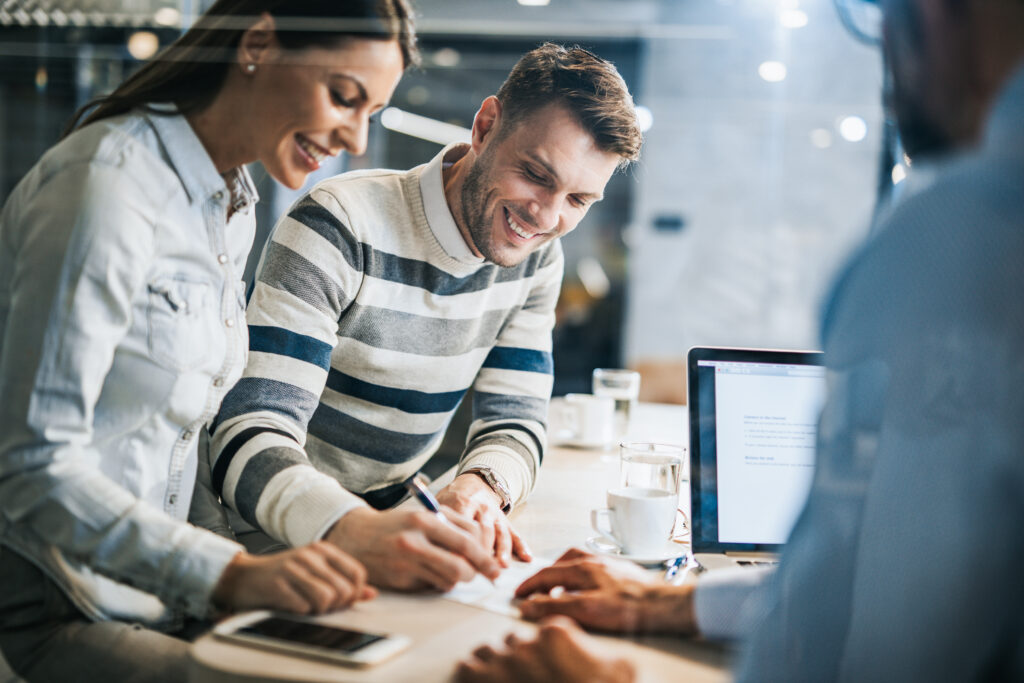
(496, 482)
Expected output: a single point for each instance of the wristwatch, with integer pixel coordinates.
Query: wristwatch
(496, 482)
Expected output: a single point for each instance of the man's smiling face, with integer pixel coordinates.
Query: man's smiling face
(532, 184)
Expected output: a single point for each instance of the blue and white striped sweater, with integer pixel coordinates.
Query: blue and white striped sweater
(365, 334)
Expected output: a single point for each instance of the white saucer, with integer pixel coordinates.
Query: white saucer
(604, 546)
(562, 439)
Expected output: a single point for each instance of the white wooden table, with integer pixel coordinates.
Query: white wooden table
(443, 632)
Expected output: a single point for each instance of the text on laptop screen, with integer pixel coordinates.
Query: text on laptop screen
(763, 442)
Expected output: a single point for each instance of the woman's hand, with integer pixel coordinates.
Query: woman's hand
(314, 579)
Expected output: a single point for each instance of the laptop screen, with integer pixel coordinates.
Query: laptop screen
(753, 426)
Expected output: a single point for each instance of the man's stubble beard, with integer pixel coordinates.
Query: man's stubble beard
(473, 201)
(478, 220)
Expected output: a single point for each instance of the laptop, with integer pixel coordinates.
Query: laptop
(753, 428)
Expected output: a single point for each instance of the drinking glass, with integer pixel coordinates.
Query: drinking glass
(624, 387)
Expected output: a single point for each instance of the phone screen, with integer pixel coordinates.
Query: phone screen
(316, 635)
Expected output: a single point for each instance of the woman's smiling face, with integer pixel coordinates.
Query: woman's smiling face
(316, 102)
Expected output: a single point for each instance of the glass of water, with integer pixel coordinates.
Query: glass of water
(652, 465)
(623, 386)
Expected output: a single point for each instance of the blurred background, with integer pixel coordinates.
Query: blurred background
(766, 152)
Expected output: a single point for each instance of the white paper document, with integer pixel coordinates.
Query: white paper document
(500, 596)
(766, 428)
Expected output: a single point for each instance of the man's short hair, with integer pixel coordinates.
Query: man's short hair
(588, 86)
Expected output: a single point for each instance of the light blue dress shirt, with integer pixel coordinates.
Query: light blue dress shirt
(121, 328)
(905, 564)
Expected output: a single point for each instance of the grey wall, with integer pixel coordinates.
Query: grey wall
(767, 215)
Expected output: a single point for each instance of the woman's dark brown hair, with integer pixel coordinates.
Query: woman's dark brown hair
(192, 70)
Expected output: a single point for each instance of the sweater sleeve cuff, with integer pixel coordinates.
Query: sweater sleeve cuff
(510, 468)
(300, 504)
(724, 601)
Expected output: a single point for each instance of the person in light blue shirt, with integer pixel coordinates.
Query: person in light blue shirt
(122, 327)
(905, 563)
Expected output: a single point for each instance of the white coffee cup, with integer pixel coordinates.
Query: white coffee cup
(640, 520)
(582, 420)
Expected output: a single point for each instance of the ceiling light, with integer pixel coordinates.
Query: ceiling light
(853, 128)
(644, 118)
(143, 45)
(422, 127)
(793, 18)
(417, 96)
(773, 72)
(821, 138)
(534, 3)
(167, 16)
(447, 57)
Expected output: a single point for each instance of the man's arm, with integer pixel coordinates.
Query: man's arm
(506, 441)
(309, 268)
(617, 597)
(600, 595)
(308, 275)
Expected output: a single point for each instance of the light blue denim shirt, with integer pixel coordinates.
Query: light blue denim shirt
(121, 329)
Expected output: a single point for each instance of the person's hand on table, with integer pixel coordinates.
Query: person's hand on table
(561, 653)
(312, 579)
(607, 595)
(470, 495)
(413, 550)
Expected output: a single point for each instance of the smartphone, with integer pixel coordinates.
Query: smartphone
(301, 636)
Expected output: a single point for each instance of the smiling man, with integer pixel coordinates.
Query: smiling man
(383, 296)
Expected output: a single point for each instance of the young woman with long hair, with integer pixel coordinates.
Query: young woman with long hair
(122, 327)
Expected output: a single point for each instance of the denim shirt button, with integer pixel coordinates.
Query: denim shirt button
(229, 322)
(222, 259)
(173, 500)
(218, 381)
(187, 435)
(218, 195)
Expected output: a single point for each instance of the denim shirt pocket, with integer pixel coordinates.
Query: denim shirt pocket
(181, 321)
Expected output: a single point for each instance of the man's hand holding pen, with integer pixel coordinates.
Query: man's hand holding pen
(413, 550)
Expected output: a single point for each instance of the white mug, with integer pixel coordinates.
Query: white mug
(582, 420)
(640, 520)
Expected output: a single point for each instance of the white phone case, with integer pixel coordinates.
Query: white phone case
(372, 653)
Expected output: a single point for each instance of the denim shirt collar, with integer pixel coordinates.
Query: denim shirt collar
(193, 164)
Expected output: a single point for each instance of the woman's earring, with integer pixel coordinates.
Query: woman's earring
(250, 68)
